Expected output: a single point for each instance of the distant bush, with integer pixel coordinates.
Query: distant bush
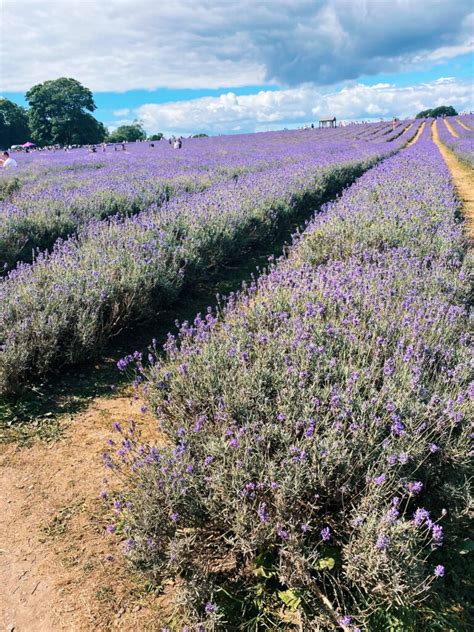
(442, 110)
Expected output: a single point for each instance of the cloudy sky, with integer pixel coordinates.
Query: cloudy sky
(221, 66)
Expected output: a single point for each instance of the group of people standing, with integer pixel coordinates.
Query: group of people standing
(176, 142)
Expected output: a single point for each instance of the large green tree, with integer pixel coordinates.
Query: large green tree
(14, 128)
(59, 113)
(442, 110)
(131, 133)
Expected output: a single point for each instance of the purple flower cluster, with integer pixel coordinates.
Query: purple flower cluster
(357, 363)
(66, 305)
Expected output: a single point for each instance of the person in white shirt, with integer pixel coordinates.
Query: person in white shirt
(8, 163)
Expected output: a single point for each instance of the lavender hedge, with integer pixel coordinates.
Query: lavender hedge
(54, 194)
(64, 307)
(315, 464)
(463, 145)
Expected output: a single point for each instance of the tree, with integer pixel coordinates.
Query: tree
(158, 136)
(14, 128)
(59, 113)
(201, 135)
(134, 131)
(442, 110)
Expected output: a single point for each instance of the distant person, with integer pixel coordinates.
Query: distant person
(104, 147)
(8, 163)
(176, 144)
(123, 146)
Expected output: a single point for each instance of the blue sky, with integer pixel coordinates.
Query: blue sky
(224, 66)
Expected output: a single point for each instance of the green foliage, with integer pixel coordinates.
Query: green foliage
(14, 128)
(158, 136)
(8, 186)
(134, 131)
(200, 136)
(57, 113)
(442, 110)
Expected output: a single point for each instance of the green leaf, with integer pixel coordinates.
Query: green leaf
(325, 563)
(290, 598)
(467, 547)
(264, 565)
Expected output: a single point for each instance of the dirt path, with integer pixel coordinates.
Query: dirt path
(451, 129)
(416, 136)
(463, 178)
(469, 129)
(59, 569)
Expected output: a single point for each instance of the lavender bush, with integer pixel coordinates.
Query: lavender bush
(68, 303)
(55, 194)
(315, 468)
(463, 146)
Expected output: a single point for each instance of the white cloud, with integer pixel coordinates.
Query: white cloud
(121, 112)
(118, 45)
(276, 109)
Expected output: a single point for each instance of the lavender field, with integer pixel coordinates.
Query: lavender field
(316, 463)
(173, 217)
(462, 144)
(308, 462)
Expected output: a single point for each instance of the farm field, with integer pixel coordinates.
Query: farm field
(71, 300)
(296, 456)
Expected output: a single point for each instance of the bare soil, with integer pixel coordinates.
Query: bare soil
(451, 129)
(417, 135)
(463, 178)
(464, 125)
(59, 568)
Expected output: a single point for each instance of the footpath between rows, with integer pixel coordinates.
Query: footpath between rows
(463, 179)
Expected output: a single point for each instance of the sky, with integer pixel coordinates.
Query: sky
(232, 66)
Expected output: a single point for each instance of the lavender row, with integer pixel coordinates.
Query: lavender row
(57, 193)
(64, 307)
(463, 145)
(316, 439)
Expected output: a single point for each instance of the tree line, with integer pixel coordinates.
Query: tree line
(59, 113)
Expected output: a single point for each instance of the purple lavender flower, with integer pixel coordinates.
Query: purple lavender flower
(437, 534)
(326, 534)
(397, 428)
(403, 458)
(420, 516)
(282, 533)
(262, 512)
(391, 515)
(439, 571)
(382, 542)
(345, 620)
(210, 608)
(414, 487)
(379, 480)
